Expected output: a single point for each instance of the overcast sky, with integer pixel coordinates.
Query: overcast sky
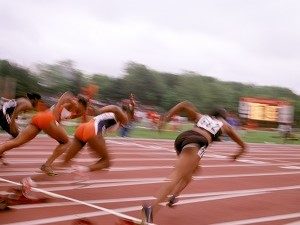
(251, 41)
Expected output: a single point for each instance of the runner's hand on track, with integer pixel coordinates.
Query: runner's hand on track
(238, 155)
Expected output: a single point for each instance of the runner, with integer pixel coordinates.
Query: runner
(190, 146)
(49, 121)
(131, 104)
(12, 108)
(109, 118)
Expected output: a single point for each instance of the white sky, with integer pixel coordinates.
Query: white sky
(251, 41)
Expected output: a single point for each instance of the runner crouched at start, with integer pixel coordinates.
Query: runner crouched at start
(110, 118)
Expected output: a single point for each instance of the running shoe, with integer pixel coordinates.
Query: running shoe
(26, 184)
(17, 198)
(2, 160)
(147, 214)
(48, 170)
(3, 204)
(172, 201)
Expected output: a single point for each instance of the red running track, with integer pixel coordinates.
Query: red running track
(261, 188)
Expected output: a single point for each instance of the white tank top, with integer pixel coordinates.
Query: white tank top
(64, 114)
(103, 117)
(10, 104)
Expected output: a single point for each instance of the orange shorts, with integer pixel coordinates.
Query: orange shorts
(85, 131)
(43, 119)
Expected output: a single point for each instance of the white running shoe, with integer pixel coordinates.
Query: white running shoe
(27, 183)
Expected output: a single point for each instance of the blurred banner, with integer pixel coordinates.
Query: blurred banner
(272, 110)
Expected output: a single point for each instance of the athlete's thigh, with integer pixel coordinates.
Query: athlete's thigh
(98, 145)
(57, 132)
(27, 134)
(73, 149)
(187, 162)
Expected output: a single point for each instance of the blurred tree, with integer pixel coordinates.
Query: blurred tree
(105, 86)
(60, 77)
(162, 90)
(25, 81)
(146, 84)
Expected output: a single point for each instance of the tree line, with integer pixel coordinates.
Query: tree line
(154, 88)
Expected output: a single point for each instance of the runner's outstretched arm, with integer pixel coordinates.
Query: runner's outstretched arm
(185, 106)
(235, 137)
(120, 115)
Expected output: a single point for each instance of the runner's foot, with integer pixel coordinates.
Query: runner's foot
(48, 170)
(27, 183)
(172, 201)
(2, 160)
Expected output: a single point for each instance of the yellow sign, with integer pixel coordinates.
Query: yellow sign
(271, 113)
(263, 112)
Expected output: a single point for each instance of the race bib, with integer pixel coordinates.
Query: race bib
(201, 151)
(209, 124)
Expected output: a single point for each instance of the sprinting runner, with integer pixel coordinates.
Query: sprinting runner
(48, 121)
(109, 118)
(12, 108)
(190, 147)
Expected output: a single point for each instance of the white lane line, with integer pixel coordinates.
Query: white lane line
(133, 168)
(142, 180)
(291, 167)
(183, 197)
(137, 168)
(245, 191)
(186, 198)
(73, 217)
(250, 161)
(262, 219)
(274, 154)
(133, 208)
(123, 210)
(206, 158)
(8, 174)
(293, 223)
(91, 184)
(215, 156)
(157, 180)
(145, 147)
(280, 158)
(63, 204)
(40, 160)
(109, 211)
(40, 153)
(212, 198)
(248, 175)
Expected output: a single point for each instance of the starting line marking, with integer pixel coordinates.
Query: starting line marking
(121, 215)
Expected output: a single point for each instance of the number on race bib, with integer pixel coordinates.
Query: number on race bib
(209, 124)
